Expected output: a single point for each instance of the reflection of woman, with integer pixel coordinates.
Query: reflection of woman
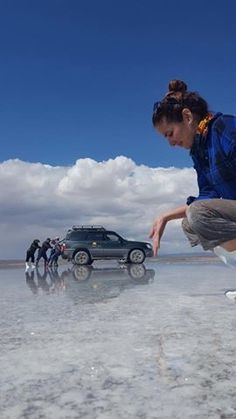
(183, 118)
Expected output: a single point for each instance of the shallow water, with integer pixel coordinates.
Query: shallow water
(145, 342)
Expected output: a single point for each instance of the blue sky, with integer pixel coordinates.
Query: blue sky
(78, 79)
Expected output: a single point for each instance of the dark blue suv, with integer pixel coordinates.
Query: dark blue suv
(84, 244)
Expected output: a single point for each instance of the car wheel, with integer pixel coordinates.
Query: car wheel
(136, 256)
(82, 257)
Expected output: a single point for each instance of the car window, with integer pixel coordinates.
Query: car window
(93, 235)
(77, 235)
(112, 237)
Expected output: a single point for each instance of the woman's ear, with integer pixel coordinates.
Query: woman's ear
(187, 115)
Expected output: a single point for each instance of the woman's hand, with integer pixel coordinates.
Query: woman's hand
(157, 232)
(160, 223)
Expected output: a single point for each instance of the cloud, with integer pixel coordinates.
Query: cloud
(39, 200)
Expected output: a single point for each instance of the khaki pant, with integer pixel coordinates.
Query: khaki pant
(210, 222)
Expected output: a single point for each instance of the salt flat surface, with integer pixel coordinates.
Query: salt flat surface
(112, 342)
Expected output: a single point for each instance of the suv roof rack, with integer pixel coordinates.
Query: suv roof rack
(88, 227)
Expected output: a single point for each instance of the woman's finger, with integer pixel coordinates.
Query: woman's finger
(156, 245)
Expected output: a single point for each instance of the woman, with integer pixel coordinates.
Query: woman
(210, 218)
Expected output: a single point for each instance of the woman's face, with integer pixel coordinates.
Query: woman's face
(179, 133)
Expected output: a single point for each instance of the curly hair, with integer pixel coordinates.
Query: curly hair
(178, 98)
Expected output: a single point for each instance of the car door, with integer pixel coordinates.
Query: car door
(113, 245)
(95, 242)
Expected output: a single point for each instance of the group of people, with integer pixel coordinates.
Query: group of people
(55, 247)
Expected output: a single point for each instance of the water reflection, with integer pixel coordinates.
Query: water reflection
(97, 284)
(131, 271)
(231, 295)
(88, 282)
(29, 277)
(48, 281)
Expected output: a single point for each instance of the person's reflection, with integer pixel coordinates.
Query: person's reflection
(57, 281)
(42, 280)
(29, 278)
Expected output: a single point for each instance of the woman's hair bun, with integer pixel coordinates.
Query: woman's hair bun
(177, 86)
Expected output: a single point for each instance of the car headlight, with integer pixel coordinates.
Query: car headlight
(149, 246)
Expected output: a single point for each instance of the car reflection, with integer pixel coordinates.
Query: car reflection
(87, 284)
(93, 285)
(132, 271)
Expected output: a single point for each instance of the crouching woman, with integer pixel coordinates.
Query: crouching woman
(183, 118)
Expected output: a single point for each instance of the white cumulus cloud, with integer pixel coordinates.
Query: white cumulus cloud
(39, 201)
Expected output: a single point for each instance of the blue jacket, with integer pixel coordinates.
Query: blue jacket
(214, 159)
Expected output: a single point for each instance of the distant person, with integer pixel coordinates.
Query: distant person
(52, 251)
(56, 252)
(54, 243)
(43, 252)
(31, 252)
(209, 219)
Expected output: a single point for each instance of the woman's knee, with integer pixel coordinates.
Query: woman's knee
(197, 214)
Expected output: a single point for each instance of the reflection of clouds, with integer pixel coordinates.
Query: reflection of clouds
(42, 200)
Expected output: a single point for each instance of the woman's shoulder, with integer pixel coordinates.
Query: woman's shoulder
(224, 132)
(222, 122)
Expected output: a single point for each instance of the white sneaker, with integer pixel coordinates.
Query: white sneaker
(229, 258)
(27, 265)
(32, 266)
(231, 295)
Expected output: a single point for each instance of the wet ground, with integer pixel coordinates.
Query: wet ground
(116, 342)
